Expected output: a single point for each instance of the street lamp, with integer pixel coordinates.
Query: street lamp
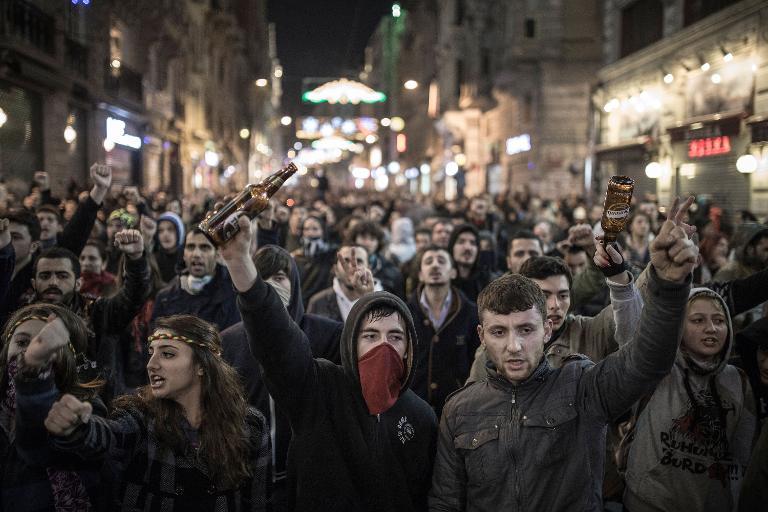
(285, 120)
(245, 133)
(746, 164)
(411, 84)
(3, 117)
(70, 134)
(261, 82)
(653, 170)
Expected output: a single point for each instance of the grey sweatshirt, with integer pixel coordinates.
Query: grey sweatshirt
(681, 460)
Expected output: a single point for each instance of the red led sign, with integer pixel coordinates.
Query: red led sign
(698, 148)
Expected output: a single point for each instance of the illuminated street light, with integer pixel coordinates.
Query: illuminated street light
(728, 57)
(397, 124)
(278, 72)
(705, 66)
(385, 121)
(411, 84)
(716, 78)
(109, 145)
(115, 64)
(653, 170)
(245, 133)
(669, 78)
(746, 164)
(285, 120)
(70, 134)
(261, 82)
(451, 169)
(396, 10)
(371, 138)
(3, 117)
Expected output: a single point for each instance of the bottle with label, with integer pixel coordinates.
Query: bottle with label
(221, 225)
(616, 207)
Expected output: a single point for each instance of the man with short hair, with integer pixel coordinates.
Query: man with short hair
(58, 280)
(422, 238)
(441, 232)
(362, 440)
(49, 217)
(204, 288)
(25, 235)
(370, 236)
(446, 324)
(523, 245)
(504, 440)
(336, 302)
(577, 259)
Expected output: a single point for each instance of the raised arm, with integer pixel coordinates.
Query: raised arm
(613, 385)
(112, 315)
(78, 229)
(276, 341)
(626, 301)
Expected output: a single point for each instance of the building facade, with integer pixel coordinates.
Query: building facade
(163, 91)
(683, 99)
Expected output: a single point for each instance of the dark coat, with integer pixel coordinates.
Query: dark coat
(341, 457)
(324, 304)
(214, 304)
(24, 481)
(315, 272)
(73, 237)
(323, 335)
(388, 273)
(503, 445)
(444, 356)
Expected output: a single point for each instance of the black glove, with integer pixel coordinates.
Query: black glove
(614, 268)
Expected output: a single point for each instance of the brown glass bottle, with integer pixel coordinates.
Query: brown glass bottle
(221, 225)
(616, 207)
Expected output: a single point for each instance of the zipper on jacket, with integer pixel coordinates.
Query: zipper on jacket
(515, 418)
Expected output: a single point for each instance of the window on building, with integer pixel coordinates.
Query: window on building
(485, 62)
(695, 10)
(459, 77)
(641, 25)
(459, 13)
(530, 28)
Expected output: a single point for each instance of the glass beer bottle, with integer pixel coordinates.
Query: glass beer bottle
(221, 225)
(616, 207)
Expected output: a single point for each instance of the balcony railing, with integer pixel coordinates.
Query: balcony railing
(25, 22)
(124, 83)
(77, 58)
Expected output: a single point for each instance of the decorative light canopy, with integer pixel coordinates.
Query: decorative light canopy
(343, 91)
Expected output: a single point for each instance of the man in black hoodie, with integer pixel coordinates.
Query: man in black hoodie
(473, 267)
(361, 439)
(277, 268)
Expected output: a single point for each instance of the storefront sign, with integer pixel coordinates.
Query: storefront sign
(710, 146)
(116, 133)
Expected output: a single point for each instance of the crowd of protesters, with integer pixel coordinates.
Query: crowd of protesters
(356, 351)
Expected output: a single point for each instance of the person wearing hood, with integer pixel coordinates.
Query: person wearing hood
(314, 258)
(278, 269)
(362, 440)
(402, 246)
(170, 242)
(530, 436)
(694, 433)
(751, 252)
(473, 267)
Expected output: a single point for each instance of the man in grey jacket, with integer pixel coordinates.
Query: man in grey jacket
(531, 437)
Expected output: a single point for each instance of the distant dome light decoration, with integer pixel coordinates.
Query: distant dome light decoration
(343, 91)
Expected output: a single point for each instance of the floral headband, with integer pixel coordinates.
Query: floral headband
(179, 337)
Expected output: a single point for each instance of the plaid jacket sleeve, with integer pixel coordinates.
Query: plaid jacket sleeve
(260, 460)
(117, 438)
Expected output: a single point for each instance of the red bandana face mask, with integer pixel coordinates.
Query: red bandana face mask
(381, 375)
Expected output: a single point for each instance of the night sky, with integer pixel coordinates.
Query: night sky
(322, 38)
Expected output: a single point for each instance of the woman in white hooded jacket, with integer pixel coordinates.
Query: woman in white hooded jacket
(694, 435)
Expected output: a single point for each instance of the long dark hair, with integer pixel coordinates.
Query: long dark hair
(66, 362)
(224, 444)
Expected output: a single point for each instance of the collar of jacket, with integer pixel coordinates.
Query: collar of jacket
(538, 376)
(556, 335)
